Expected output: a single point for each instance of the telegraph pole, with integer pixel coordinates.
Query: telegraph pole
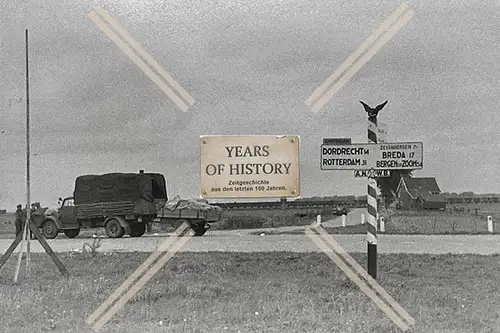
(28, 183)
(28, 199)
(27, 226)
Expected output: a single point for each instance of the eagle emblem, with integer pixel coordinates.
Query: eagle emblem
(373, 112)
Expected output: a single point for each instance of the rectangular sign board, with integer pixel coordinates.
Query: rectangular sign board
(336, 141)
(377, 156)
(371, 173)
(249, 166)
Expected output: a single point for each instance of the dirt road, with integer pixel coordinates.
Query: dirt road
(239, 241)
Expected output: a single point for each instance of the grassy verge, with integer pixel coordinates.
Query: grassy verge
(434, 222)
(268, 219)
(359, 229)
(257, 292)
(347, 230)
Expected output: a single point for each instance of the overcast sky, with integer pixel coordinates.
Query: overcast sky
(249, 66)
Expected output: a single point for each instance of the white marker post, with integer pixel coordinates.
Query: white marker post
(344, 218)
(382, 224)
(490, 224)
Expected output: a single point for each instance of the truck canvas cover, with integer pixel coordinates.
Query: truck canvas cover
(118, 187)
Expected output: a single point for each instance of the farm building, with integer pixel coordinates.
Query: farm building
(420, 193)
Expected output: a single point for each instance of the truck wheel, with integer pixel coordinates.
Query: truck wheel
(114, 229)
(49, 229)
(199, 229)
(137, 229)
(72, 233)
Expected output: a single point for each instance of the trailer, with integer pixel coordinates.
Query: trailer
(197, 218)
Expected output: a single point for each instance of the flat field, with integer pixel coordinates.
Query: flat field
(438, 222)
(457, 219)
(253, 292)
(7, 227)
(483, 209)
(251, 219)
(424, 223)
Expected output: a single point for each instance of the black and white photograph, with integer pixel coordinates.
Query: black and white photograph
(213, 166)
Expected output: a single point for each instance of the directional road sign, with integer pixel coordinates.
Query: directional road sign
(337, 141)
(372, 173)
(377, 156)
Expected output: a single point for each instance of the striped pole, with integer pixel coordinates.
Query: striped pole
(371, 228)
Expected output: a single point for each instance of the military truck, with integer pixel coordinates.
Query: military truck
(121, 203)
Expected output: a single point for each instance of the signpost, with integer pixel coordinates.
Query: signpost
(249, 166)
(371, 198)
(372, 160)
(377, 156)
(372, 173)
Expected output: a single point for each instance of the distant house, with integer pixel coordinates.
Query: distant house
(3, 211)
(420, 193)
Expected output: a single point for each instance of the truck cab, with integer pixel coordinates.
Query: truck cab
(67, 214)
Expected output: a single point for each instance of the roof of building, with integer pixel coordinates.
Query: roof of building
(424, 187)
(434, 198)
